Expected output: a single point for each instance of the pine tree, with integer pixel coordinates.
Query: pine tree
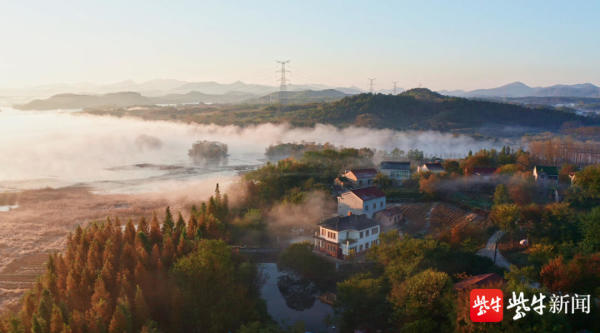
(141, 311)
(101, 311)
(143, 226)
(155, 257)
(121, 320)
(94, 257)
(129, 235)
(192, 227)
(501, 195)
(168, 252)
(180, 225)
(57, 323)
(168, 224)
(155, 234)
(44, 309)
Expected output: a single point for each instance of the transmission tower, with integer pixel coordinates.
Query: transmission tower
(371, 80)
(395, 86)
(282, 82)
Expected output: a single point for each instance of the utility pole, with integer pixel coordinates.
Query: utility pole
(282, 82)
(395, 86)
(371, 80)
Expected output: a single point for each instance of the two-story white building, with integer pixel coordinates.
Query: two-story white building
(343, 236)
(366, 201)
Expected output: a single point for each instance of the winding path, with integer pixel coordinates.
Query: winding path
(488, 250)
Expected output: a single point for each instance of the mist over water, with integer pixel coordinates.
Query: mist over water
(61, 148)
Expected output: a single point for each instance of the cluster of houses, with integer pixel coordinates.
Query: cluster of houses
(362, 211)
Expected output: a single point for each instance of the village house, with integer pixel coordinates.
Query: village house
(397, 171)
(545, 175)
(357, 178)
(389, 218)
(343, 236)
(435, 167)
(366, 201)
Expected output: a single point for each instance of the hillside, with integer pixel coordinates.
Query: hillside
(519, 89)
(123, 99)
(417, 109)
(299, 97)
(75, 101)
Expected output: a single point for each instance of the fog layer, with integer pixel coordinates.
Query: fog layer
(59, 148)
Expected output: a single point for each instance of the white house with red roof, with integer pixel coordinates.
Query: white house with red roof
(360, 178)
(368, 201)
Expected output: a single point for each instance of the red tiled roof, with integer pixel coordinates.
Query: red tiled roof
(368, 193)
(478, 280)
(364, 173)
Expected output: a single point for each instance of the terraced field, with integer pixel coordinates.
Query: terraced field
(435, 218)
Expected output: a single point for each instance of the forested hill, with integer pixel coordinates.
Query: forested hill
(424, 109)
(419, 109)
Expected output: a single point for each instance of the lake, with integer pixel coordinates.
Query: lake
(313, 314)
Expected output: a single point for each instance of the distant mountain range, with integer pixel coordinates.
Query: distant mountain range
(124, 99)
(161, 87)
(519, 89)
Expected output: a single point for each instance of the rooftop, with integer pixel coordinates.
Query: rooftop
(368, 193)
(364, 173)
(549, 170)
(350, 222)
(395, 165)
(434, 166)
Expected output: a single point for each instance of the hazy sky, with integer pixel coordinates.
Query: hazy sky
(441, 45)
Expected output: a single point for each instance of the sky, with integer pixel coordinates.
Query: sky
(434, 44)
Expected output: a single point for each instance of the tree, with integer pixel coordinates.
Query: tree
(452, 166)
(212, 298)
(587, 181)
(424, 302)
(361, 303)
(506, 216)
(501, 195)
(56, 322)
(300, 259)
(155, 233)
(168, 224)
(384, 182)
(590, 229)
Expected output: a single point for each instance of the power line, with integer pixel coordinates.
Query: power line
(371, 80)
(282, 82)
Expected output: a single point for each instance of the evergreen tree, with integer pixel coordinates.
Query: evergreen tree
(501, 195)
(155, 234)
(168, 224)
(57, 323)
